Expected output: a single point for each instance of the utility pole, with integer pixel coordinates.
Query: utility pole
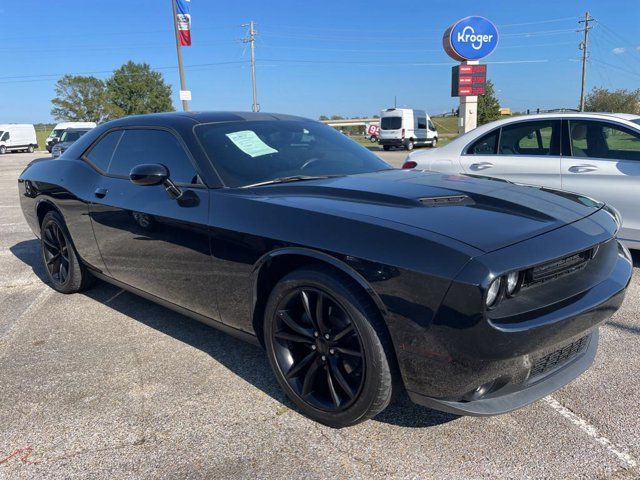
(183, 82)
(584, 46)
(251, 39)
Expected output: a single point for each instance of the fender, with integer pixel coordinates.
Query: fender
(317, 255)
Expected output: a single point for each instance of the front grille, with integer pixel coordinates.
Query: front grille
(559, 357)
(557, 268)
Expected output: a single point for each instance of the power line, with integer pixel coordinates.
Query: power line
(50, 76)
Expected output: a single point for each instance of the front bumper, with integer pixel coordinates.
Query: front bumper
(521, 396)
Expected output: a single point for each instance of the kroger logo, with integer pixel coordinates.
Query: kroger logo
(471, 38)
(468, 34)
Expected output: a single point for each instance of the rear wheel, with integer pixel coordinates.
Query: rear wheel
(386, 148)
(66, 272)
(324, 349)
(409, 145)
(3, 149)
(30, 149)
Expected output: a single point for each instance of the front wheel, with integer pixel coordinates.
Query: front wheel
(66, 272)
(386, 148)
(434, 142)
(3, 149)
(324, 345)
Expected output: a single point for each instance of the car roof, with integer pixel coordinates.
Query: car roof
(201, 117)
(542, 116)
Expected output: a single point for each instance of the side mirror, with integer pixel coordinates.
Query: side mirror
(149, 174)
(154, 174)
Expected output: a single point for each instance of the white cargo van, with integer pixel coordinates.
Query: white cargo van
(15, 137)
(407, 128)
(56, 133)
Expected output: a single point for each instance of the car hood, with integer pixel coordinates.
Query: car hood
(487, 214)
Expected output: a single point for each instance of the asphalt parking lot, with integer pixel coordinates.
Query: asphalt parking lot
(107, 385)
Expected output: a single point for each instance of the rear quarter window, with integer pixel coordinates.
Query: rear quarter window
(100, 155)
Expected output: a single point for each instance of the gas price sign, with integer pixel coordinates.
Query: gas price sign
(467, 80)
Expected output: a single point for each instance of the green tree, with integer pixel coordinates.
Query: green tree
(323, 117)
(600, 99)
(136, 89)
(81, 99)
(488, 105)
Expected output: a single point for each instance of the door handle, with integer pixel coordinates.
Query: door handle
(583, 168)
(100, 192)
(481, 165)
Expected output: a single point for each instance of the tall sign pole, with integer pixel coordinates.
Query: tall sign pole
(583, 47)
(467, 41)
(251, 39)
(182, 27)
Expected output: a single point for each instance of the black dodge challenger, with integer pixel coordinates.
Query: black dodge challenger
(475, 296)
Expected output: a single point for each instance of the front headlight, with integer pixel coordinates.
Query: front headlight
(512, 282)
(494, 290)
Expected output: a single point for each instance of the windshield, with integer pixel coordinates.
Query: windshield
(391, 123)
(72, 136)
(637, 120)
(57, 133)
(245, 153)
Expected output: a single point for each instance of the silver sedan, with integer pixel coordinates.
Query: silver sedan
(594, 154)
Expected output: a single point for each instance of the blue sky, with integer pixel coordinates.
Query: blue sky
(325, 57)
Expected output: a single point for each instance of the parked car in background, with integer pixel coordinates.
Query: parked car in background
(58, 130)
(406, 128)
(69, 136)
(16, 137)
(476, 296)
(594, 154)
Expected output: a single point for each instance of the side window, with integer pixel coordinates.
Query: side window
(431, 126)
(152, 146)
(530, 138)
(485, 145)
(422, 123)
(100, 155)
(603, 140)
(5, 137)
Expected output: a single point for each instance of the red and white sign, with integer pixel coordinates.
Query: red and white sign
(373, 130)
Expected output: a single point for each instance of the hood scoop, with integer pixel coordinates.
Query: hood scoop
(446, 201)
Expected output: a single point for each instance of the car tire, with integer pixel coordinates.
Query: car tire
(409, 145)
(3, 149)
(434, 142)
(386, 148)
(335, 378)
(63, 267)
(30, 149)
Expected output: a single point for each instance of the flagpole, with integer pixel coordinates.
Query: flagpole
(183, 82)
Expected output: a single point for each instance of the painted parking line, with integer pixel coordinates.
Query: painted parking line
(626, 458)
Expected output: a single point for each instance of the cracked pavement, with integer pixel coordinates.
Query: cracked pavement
(107, 384)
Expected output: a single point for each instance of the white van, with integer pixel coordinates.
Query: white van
(15, 137)
(406, 127)
(58, 130)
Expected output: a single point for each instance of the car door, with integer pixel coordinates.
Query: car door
(524, 152)
(604, 163)
(148, 239)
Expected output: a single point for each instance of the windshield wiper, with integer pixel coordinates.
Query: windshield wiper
(291, 178)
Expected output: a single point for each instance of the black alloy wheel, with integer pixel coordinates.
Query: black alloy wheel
(56, 253)
(328, 346)
(66, 272)
(319, 349)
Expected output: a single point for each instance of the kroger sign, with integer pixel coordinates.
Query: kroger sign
(471, 38)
